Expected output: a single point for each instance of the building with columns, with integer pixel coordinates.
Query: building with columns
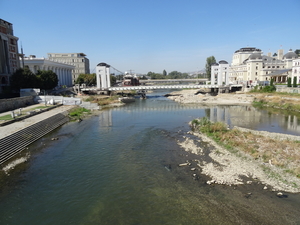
(9, 56)
(250, 65)
(78, 60)
(62, 70)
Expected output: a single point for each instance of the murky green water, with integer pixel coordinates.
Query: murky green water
(120, 167)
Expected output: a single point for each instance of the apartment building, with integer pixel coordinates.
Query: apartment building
(9, 56)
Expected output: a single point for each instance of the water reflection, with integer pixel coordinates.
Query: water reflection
(253, 118)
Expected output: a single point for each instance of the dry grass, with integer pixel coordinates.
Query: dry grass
(279, 100)
(282, 153)
(102, 100)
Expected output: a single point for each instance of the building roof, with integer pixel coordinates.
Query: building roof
(255, 55)
(223, 62)
(248, 49)
(290, 55)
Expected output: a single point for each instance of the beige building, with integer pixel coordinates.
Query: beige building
(9, 56)
(250, 65)
(79, 60)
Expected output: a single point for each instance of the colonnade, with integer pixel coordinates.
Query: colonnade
(64, 75)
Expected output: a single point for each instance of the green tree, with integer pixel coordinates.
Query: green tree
(289, 82)
(23, 78)
(297, 51)
(295, 82)
(209, 61)
(88, 79)
(47, 79)
(113, 80)
(164, 73)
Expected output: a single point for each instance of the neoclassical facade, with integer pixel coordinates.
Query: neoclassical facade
(78, 60)
(9, 56)
(62, 70)
(249, 64)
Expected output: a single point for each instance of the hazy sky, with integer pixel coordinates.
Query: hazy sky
(154, 35)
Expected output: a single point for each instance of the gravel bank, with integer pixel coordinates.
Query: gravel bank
(236, 169)
(191, 96)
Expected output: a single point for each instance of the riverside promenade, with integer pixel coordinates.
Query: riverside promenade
(14, 137)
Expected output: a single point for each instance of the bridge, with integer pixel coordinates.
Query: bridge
(203, 80)
(154, 87)
(104, 85)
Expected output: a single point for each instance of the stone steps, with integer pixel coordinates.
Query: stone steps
(18, 141)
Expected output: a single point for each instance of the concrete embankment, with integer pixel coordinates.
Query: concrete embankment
(17, 136)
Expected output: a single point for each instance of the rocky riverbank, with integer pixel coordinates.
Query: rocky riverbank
(226, 168)
(239, 168)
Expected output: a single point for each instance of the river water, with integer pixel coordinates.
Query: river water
(121, 167)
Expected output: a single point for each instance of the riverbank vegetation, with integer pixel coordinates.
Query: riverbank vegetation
(101, 100)
(78, 113)
(282, 153)
(278, 100)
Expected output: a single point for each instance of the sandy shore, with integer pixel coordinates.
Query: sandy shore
(224, 167)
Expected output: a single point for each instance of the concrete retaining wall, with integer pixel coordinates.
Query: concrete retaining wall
(15, 103)
(287, 89)
(18, 141)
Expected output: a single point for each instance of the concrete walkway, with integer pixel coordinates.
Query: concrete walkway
(19, 125)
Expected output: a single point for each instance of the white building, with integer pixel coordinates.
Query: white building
(220, 73)
(62, 70)
(296, 70)
(78, 60)
(250, 65)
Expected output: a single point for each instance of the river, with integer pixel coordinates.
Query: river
(121, 167)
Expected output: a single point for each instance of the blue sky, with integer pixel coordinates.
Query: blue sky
(155, 35)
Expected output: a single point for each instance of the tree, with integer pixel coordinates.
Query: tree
(295, 82)
(47, 79)
(297, 51)
(113, 80)
(88, 79)
(209, 61)
(289, 82)
(164, 73)
(23, 78)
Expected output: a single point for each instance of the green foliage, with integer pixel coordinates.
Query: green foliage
(23, 78)
(47, 79)
(164, 73)
(171, 75)
(113, 80)
(289, 82)
(295, 82)
(78, 112)
(264, 89)
(209, 61)
(88, 79)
